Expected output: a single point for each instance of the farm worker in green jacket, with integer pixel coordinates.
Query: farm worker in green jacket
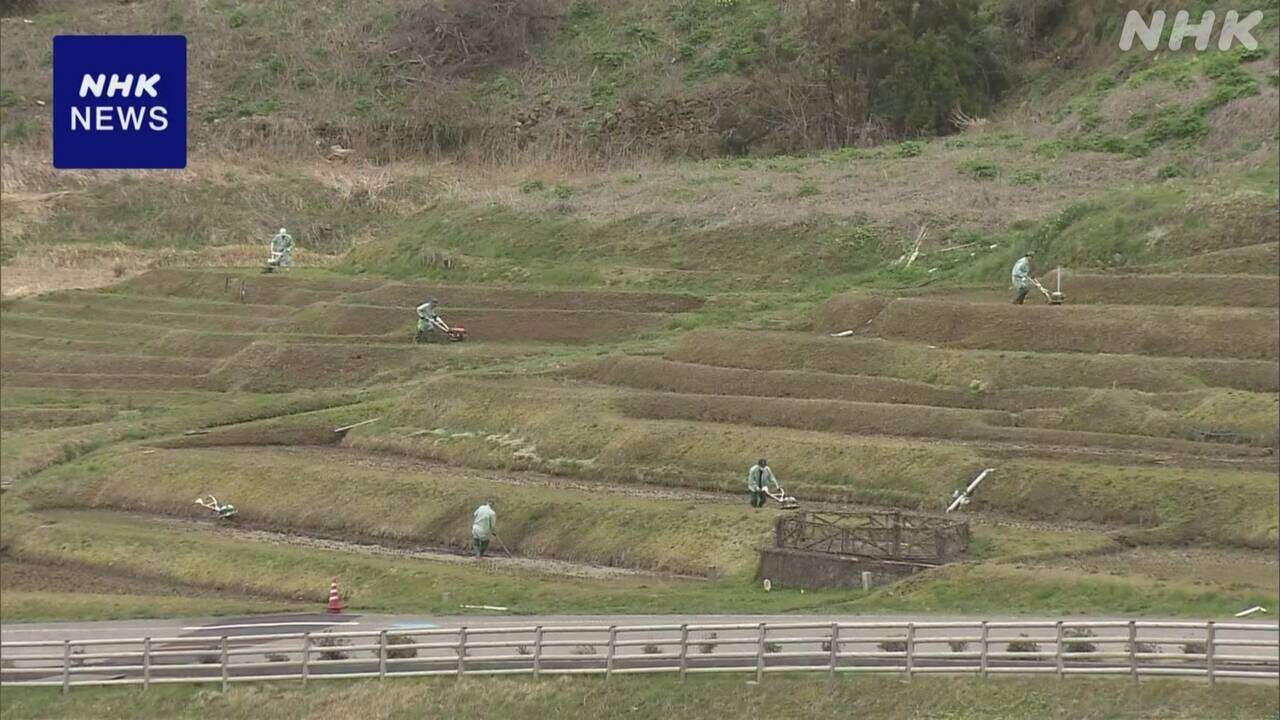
(283, 243)
(1022, 277)
(759, 477)
(484, 525)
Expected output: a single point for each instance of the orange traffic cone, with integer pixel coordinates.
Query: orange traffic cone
(335, 604)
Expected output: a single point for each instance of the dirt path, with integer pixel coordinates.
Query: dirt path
(495, 561)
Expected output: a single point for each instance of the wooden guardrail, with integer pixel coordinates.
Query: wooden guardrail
(1131, 648)
(903, 537)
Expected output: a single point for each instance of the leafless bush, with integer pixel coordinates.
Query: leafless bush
(459, 36)
(1075, 645)
(1023, 646)
(326, 641)
(397, 653)
(707, 648)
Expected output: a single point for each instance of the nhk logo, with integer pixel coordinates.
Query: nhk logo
(119, 101)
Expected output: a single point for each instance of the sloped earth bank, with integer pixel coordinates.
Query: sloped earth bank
(994, 369)
(1143, 330)
(1238, 416)
(283, 290)
(1259, 291)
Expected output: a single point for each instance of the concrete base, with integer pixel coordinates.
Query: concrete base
(812, 570)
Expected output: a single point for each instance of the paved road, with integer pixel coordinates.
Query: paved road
(317, 622)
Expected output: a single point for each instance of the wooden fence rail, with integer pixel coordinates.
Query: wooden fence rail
(1132, 648)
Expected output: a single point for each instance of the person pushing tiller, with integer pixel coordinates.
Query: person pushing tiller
(431, 327)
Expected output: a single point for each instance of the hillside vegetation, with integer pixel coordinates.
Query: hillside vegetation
(651, 218)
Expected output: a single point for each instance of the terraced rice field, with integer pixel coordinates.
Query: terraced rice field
(611, 437)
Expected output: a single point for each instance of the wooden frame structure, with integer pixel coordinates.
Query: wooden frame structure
(891, 536)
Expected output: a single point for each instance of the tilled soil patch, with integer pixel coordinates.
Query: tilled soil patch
(111, 301)
(1199, 332)
(158, 319)
(996, 369)
(272, 289)
(64, 576)
(554, 326)
(458, 296)
(1183, 290)
(273, 366)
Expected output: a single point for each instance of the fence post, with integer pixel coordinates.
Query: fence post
(1133, 650)
(1057, 654)
(462, 650)
(684, 649)
(66, 666)
(760, 654)
(833, 655)
(537, 651)
(982, 657)
(146, 663)
(382, 655)
(609, 650)
(222, 660)
(1210, 637)
(306, 656)
(911, 648)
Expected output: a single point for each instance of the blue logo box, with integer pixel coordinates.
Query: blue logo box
(119, 101)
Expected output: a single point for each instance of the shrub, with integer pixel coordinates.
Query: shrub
(277, 657)
(397, 653)
(1193, 648)
(773, 647)
(523, 650)
(1171, 170)
(564, 192)
(327, 641)
(533, 186)
(909, 149)
(651, 649)
(957, 646)
(808, 189)
(707, 648)
(584, 650)
(1139, 646)
(895, 646)
(208, 659)
(1026, 177)
(980, 170)
(1075, 645)
(1022, 646)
